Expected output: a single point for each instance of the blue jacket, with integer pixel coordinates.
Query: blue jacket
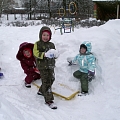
(87, 61)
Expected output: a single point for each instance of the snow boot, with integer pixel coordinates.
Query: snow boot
(27, 85)
(39, 93)
(83, 94)
(51, 105)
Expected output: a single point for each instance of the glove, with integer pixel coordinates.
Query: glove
(91, 75)
(70, 63)
(52, 53)
(36, 70)
(69, 60)
(49, 55)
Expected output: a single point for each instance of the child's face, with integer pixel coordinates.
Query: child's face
(82, 50)
(27, 53)
(45, 36)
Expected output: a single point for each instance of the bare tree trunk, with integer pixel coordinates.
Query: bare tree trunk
(49, 8)
(64, 4)
(7, 17)
(30, 10)
(15, 17)
(21, 16)
(1, 6)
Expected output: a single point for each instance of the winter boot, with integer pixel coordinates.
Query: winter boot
(27, 85)
(83, 94)
(51, 105)
(39, 93)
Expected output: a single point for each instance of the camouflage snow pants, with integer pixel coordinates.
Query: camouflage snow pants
(83, 79)
(47, 77)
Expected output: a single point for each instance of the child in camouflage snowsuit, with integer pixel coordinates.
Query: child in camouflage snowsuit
(44, 52)
(86, 62)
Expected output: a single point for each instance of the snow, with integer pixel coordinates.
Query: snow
(103, 103)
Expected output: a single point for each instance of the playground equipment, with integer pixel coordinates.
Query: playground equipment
(61, 14)
(72, 8)
(67, 25)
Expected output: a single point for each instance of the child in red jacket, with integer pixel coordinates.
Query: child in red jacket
(28, 64)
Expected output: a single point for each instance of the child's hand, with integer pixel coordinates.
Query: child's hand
(69, 60)
(70, 63)
(52, 53)
(91, 75)
(49, 55)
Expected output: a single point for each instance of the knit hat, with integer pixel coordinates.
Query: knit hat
(25, 54)
(46, 31)
(83, 46)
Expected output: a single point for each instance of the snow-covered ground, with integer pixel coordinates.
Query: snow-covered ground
(103, 103)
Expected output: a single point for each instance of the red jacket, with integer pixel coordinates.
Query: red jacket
(28, 64)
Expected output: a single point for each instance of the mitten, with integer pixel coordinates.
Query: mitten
(50, 53)
(91, 75)
(70, 63)
(69, 60)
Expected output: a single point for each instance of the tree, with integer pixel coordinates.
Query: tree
(6, 5)
(49, 7)
(30, 5)
(1, 6)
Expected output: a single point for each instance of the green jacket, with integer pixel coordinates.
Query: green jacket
(40, 47)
